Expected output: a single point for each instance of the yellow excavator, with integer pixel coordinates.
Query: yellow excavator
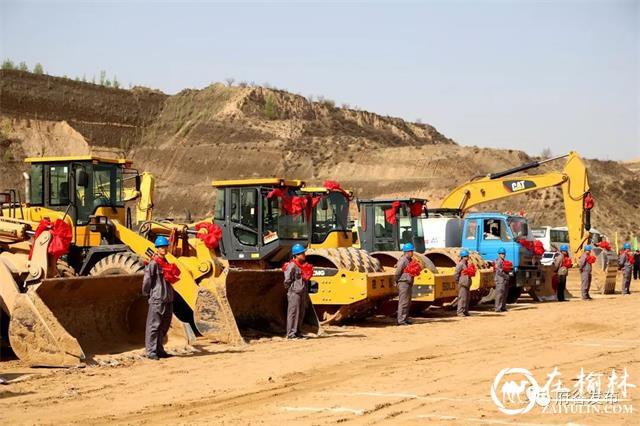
(88, 193)
(351, 283)
(578, 201)
(384, 225)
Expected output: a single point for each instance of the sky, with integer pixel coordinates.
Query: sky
(526, 75)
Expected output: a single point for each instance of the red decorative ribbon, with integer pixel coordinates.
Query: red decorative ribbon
(589, 202)
(470, 271)
(61, 237)
(591, 259)
(390, 214)
(416, 209)
(170, 271)
(533, 246)
(306, 268)
(293, 204)
(507, 266)
(567, 262)
(604, 245)
(413, 268)
(213, 235)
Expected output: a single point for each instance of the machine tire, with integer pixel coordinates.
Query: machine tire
(514, 294)
(64, 269)
(122, 263)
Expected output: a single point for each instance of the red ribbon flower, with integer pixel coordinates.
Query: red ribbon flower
(413, 268)
(61, 237)
(170, 271)
(213, 235)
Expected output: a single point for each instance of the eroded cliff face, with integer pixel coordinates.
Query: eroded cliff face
(221, 132)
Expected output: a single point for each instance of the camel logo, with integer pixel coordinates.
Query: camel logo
(518, 389)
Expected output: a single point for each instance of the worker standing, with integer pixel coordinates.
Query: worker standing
(502, 268)
(585, 265)
(404, 282)
(562, 263)
(156, 284)
(636, 266)
(297, 275)
(464, 284)
(625, 263)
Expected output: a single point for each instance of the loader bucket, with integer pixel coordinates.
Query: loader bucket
(544, 290)
(65, 321)
(243, 304)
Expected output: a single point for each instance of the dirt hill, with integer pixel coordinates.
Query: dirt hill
(190, 138)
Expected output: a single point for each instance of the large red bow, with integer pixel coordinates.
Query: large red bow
(332, 185)
(390, 214)
(507, 266)
(533, 246)
(413, 268)
(61, 237)
(567, 262)
(604, 245)
(306, 268)
(591, 259)
(213, 235)
(470, 271)
(170, 271)
(293, 204)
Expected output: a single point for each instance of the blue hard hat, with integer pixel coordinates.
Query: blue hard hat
(297, 249)
(564, 247)
(464, 253)
(408, 247)
(587, 248)
(161, 241)
(501, 250)
(627, 246)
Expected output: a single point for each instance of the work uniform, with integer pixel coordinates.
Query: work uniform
(585, 276)
(464, 288)
(626, 266)
(404, 282)
(160, 295)
(502, 285)
(297, 292)
(562, 272)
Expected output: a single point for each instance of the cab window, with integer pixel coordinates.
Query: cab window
(244, 204)
(59, 185)
(36, 184)
(219, 207)
(495, 229)
(472, 227)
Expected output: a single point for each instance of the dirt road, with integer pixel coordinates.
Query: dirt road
(440, 369)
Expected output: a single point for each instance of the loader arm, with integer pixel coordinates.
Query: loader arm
(573, 180)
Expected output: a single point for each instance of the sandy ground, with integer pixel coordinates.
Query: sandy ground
(438, 370)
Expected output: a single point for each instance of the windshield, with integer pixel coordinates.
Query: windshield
(519, 227)
(278, 224)
(331, 214)
(104, 188)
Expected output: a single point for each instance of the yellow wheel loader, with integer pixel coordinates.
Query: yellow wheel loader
(384, 225)
(351, 283)
(235, 290)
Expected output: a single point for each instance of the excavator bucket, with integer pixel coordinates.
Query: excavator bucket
(242, 304)
(66, 321)
(351, 284)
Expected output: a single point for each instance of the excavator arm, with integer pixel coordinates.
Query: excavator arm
(573, 180)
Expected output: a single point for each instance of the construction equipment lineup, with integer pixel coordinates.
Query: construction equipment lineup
(86, 270)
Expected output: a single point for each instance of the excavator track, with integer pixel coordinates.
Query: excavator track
(352, 284)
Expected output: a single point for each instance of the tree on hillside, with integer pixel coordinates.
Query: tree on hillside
(103, 77)
(546, 153)
(116, 83)
(7, 64)
(229, 81)
(37, 69)
(22, 66)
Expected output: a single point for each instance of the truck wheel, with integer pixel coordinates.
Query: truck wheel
(514, 294)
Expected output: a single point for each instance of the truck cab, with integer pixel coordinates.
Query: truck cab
(487, 232)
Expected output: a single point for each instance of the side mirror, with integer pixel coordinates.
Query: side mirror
(82, 178)
(324, 204)
(138, 180)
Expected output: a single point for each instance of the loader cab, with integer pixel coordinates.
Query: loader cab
(328, 217)
(385, 225)
(256, 225)
(79, 187)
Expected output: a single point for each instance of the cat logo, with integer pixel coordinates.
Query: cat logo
(518, 185)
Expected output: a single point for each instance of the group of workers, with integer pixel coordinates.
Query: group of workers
(159, 275)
